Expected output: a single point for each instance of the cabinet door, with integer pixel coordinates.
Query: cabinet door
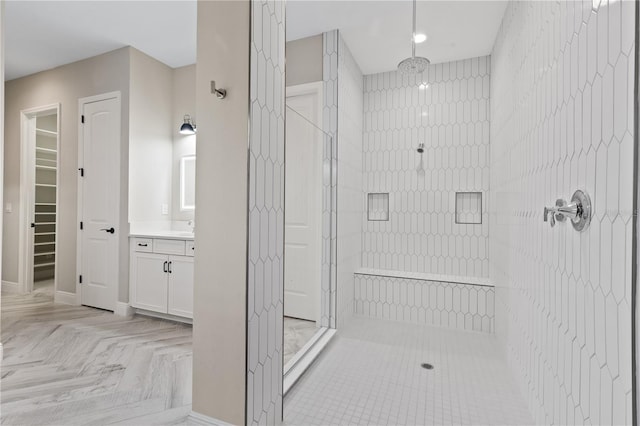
(149, 281)
(181, 286)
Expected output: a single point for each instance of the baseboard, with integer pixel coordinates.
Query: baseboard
(124, 309)
(201, 419)
(65, 297)
(11, 287)
(162, 316)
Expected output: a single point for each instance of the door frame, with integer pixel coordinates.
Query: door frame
(314, 88)
(80, 186)
(27, 195)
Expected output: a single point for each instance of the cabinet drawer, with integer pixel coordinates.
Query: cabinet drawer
(143, 244)
(168, 247)
(191, 248)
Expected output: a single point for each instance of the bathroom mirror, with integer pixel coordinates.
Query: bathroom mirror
(188, 183)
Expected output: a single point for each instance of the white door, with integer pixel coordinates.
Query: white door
(181, 286)
(100, 189)
(28, 195)
(149, 281)
(303, 209)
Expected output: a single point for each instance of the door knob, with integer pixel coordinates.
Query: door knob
(109, 230)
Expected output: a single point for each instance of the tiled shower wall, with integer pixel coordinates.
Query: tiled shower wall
(350, 202)
(328, 294)
(266, 214)
(436, 303)
(562, 119)
(447, 109)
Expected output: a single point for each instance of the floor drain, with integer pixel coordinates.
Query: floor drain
(426, 366)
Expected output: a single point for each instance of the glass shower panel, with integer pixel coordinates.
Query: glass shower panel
(308, 205)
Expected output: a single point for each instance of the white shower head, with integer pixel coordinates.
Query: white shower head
(413, 65)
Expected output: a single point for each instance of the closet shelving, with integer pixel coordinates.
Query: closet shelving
(45, 212)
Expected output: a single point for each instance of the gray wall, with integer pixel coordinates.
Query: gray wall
(65, 85)
(304, 60)
(150, 138)
(184, 102)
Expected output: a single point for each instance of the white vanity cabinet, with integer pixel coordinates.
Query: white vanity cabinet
(161, 275)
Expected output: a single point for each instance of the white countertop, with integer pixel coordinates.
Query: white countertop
(172, 235)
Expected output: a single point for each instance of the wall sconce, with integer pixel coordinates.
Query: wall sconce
(188, 127)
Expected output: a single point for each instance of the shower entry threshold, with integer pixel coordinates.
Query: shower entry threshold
(297, 365)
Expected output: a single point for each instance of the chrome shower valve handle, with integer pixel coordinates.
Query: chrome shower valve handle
(553, 214)
(550, 215)
(579, 211)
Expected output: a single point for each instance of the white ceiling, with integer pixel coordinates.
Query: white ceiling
(40, 35)
(378, 33)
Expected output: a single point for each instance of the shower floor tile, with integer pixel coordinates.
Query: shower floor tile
(371, 374)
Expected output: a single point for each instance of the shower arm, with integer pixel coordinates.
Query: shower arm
(413, 34)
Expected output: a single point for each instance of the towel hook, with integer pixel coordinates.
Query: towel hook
(220, 93)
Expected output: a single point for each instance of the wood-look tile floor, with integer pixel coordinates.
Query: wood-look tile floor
(67, 365)
(76, 365)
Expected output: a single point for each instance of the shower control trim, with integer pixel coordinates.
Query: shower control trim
(578, 211)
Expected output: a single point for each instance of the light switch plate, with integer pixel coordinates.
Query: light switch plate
(165, 209)
(8, 208)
